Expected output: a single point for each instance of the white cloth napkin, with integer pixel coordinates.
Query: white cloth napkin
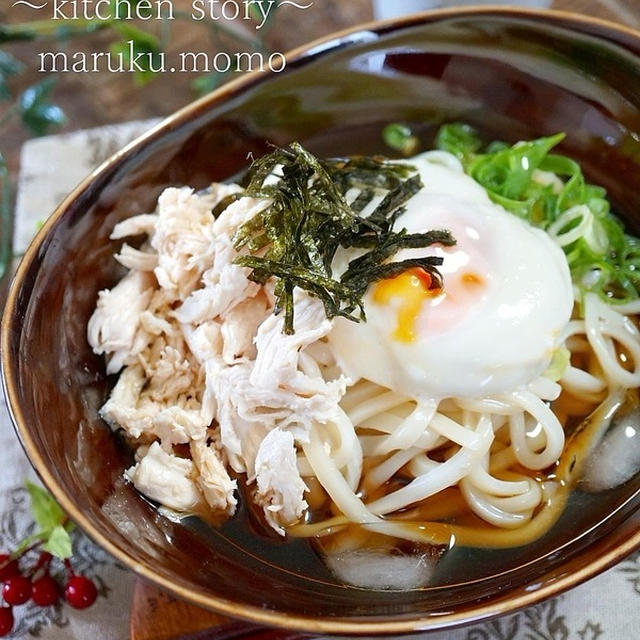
(605, 608)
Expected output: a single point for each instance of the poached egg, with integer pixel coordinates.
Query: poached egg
(494, 324)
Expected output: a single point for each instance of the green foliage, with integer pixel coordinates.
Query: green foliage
(38, 114)
(144, 47)
(58, 543)
(53, 525)
(45, 510)
(9, 66)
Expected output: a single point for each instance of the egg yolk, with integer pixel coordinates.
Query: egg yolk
(412, 288)
(471, 280)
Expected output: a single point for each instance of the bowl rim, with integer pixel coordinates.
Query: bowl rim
(298, 56)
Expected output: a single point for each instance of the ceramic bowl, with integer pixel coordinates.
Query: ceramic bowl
(514, 74)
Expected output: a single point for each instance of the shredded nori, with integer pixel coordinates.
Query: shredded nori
(295, 238)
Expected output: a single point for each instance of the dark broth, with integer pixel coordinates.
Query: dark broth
(249, 534)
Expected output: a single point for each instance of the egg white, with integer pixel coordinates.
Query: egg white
(469, 340)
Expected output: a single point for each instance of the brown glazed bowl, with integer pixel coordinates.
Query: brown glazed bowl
(514, 74)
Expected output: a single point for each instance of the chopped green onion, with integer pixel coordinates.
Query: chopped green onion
(560, 360)
(459, 139)
(549, 191)
(400, 137)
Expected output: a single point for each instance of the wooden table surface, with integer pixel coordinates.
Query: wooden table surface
(95, 99)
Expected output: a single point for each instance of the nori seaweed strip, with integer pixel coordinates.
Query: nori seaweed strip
(387, 210)
(225, 202)
(308, 218)
(407, 240)
(359, 280)
(374, 171)
(362, 200)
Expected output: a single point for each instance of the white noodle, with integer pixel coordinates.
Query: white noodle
(546, 421)
(383, 472)
(455, 432)
(444, 475)
(333, 481)
(582, 382)
(383, 402)
(603, 323)
(410, 430)
(482, 506)
(484, 481)
(437, 443)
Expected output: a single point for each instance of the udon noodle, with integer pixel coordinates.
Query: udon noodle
(501, 450)
(211, 388)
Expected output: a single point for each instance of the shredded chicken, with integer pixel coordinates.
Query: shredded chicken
(213, 480)
(132, 407)
(225, 284)
(183, 239)
(136, 259)
(239, 328)
(280, 487)
(136, 225)
(204, 362)
(256, 396)
(166, 479)
(113, 327)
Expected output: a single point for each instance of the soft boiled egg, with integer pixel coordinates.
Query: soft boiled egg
(494, 324)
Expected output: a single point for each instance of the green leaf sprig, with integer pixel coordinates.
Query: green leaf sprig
(36, 110)
(53, 525)
(295, 238)
(33, 105)
(9, 66)
(549, 191)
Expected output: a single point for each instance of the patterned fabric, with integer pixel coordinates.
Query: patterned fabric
(605, 608)
(108, 618)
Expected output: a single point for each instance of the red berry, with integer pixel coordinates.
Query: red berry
(45, 591)
(80, 592)
(16, 590)
(6, 621)
(8, 567)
